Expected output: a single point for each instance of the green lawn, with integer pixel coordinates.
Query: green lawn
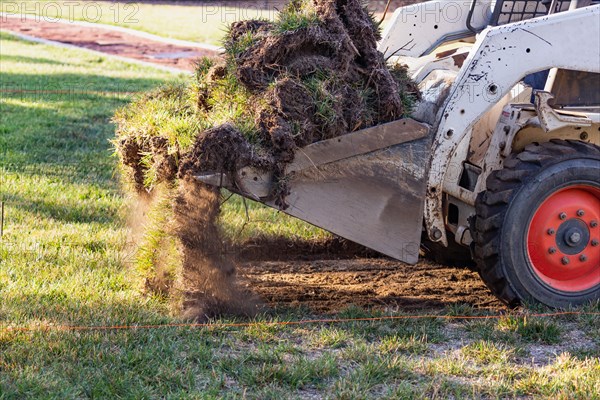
(204, 24)
(64, 259)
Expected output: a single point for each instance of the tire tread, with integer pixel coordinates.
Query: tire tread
(492, 204)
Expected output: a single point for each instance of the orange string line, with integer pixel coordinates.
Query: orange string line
(279, 323)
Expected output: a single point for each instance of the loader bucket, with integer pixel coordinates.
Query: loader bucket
(367, 186)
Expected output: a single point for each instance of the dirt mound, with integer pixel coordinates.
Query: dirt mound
(313, 74)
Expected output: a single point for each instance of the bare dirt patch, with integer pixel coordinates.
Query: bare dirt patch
(289, 249)
(328, 286)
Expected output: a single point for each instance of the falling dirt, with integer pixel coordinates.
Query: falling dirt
(209, 283)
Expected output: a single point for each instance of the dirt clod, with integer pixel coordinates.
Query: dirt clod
(220, 149)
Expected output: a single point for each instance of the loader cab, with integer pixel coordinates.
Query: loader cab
(438, 34)
(429, 27)
(433, 39)
(574, 90)
(508, 11)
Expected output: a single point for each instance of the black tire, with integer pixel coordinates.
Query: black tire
(504, 214)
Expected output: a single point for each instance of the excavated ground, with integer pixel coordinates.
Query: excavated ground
(329, 286)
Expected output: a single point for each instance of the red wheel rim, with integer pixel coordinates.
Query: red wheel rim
(563, 239)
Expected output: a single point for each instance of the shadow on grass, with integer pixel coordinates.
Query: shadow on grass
(58, 307)
(70, 129)
(72, 86)
(30, 60)
(72, 211)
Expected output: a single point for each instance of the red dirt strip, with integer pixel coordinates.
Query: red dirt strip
(106, 40)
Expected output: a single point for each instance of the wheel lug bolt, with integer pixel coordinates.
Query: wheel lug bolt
(562, 215)
(550, 231)
(582, 258)
(565, 260)
(594, 224)
(595, 242)
(580, 213)
(552, 250)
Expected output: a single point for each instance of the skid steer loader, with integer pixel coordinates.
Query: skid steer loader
(499, 162)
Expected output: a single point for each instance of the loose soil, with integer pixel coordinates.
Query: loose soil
(286, 249)
(328, 286)
(330, 275)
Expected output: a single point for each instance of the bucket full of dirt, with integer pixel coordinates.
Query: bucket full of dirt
(312, 74)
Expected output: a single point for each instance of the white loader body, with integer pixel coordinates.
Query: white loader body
(473, 95)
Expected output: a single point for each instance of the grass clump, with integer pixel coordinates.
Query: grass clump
(404, 344)
(312, 74)
(296, 15)
(532, 329)
(157, 257)
(487, 352)
(262, 367)
(165, 111)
